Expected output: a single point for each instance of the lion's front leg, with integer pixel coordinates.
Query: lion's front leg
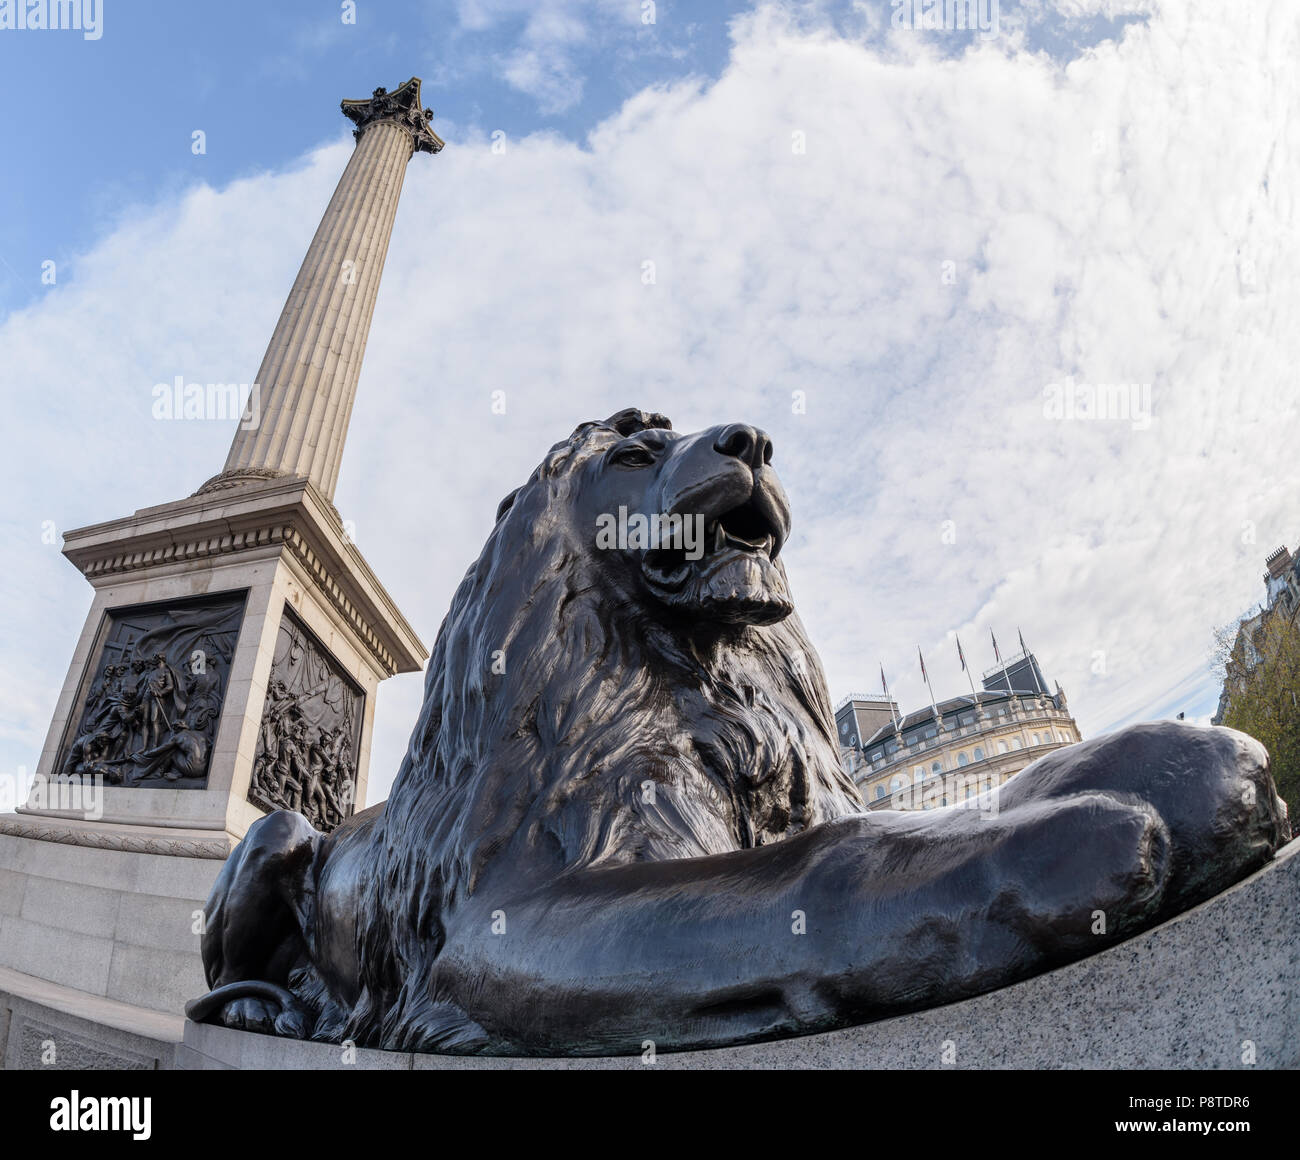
(858, 919)
(1210, 787)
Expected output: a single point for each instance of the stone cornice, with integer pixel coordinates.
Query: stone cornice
(285, 514)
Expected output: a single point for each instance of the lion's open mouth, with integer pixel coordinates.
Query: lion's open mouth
(745, 530)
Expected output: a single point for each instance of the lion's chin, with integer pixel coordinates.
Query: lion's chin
(745, 588)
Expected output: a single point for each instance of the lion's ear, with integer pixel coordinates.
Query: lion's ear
(505, 505)
(630, 421)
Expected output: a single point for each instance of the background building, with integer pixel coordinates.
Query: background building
(1281, 597)
(924, 761)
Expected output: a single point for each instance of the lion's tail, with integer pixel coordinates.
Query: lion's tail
(293, 1019)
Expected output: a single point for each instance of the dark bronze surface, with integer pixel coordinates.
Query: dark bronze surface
(622, 816)
(151, 713)
(306, 757)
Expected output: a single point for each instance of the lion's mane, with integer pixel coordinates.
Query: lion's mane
(551, 737)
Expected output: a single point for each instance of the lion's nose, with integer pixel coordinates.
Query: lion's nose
(746, 443)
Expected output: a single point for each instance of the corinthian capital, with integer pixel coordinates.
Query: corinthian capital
(402, 108)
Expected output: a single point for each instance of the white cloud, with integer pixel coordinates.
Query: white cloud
(1085, 9)
(543, 63)
(1122, 219)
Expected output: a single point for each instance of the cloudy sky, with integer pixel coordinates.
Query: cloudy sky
(941, 239)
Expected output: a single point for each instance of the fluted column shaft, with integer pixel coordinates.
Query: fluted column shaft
(309, 373)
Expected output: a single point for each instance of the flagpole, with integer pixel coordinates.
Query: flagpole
(1006, 671)
(965, 668)
(1024, 648)
(884, 684)
(926, 677)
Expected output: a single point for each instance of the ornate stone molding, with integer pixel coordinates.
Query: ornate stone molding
(316, 568)
(182, 550)
(116, 840)
(238, 476)
(242, 476)
(402, 108)
(287, 536)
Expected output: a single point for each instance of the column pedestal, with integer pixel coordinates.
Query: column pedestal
(102, 892)
(229, 662)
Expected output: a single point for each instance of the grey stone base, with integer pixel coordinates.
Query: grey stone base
(47, 1027)
(1217, 987)
(113, 922)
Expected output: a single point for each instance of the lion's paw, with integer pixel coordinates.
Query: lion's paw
(1082, 867)
(292, 1024)
(251, 1015)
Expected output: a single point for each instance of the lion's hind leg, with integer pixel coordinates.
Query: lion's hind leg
(254, 930)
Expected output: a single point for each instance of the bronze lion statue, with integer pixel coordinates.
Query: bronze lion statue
(622, 815)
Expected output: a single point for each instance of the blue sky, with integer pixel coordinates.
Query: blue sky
(99, 125)
(1105, 179)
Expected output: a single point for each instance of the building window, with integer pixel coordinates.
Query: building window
(969, 791)
(1002, 746)
(1036, 741)
(1015, 743)
(979, 753)
(918, 773)
(962, 759)
(937, 767)
(895, 783)
(880, 792)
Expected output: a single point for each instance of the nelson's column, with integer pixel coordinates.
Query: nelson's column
(228, 666)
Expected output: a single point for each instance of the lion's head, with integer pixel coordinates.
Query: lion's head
(596, 697)
(692, 524)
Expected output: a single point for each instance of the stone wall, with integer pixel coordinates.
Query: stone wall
(111, 923)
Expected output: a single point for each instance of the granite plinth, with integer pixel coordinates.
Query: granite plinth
(1217, 987)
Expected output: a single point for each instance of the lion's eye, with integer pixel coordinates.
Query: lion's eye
(633, 455)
